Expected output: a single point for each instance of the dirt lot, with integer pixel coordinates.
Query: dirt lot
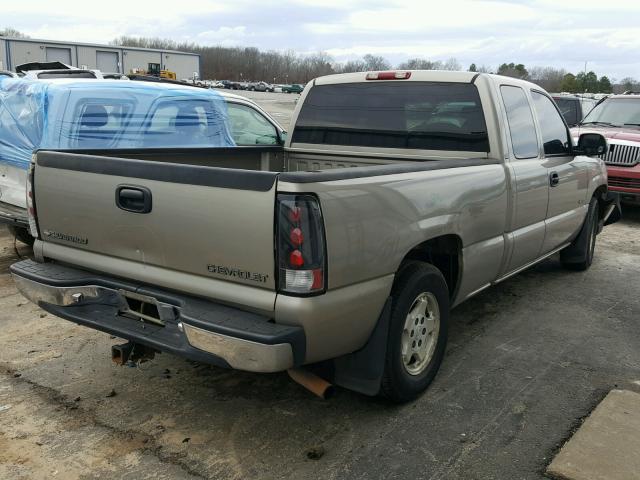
(526, 361)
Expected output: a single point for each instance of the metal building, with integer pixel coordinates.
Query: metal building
(106, 58)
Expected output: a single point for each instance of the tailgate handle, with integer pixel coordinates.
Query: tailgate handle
(133, 198)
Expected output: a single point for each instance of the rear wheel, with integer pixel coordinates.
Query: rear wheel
(417, 332)
(579, 255)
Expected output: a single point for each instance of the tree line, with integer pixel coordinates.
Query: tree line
(250, 63)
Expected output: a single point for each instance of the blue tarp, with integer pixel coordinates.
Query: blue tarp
(109, 114)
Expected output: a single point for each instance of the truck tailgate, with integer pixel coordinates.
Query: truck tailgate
(207, 222)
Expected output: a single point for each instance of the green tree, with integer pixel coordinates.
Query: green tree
(604, 85)
(513, 70)
(473, 68)
(569, 83)
(587, 82)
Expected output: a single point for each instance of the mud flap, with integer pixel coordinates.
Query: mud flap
(362, 371)
(611, 210)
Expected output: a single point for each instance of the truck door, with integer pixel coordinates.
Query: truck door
(530, 179)
(568, 181)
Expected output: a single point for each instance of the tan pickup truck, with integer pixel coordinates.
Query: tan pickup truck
(397, 196)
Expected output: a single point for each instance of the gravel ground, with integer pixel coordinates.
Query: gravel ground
(526, 361)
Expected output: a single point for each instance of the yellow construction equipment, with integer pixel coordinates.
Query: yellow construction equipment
(168, 74)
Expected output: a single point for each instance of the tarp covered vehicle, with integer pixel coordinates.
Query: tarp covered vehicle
(90, 115)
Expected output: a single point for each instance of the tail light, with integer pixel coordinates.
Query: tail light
(31, 202)
(301, 246)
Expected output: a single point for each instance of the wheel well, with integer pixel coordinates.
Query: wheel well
(442, 252)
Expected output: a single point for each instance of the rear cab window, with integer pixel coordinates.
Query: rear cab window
(414, 115)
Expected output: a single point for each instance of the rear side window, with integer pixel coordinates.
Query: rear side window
(555, 137)
(407, 115)
(523, 130)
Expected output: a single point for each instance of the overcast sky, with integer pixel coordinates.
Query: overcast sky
(563, 33)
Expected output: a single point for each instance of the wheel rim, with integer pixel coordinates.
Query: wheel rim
(420, 333)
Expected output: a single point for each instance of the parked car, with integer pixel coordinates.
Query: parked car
(574, 108)
(261, 87)
(346, 248)
(238, 85)
(618, 119)
(114, 115)
(294, 88)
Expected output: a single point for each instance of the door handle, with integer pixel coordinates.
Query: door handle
(554, 179)
(133, 198)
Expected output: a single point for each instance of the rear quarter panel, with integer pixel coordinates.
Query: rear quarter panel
(372, 223)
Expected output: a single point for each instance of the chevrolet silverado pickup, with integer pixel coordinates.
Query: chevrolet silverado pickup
(398, 196)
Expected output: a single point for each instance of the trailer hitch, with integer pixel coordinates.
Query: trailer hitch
(131, 352)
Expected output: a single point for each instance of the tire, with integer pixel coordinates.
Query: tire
(406, 375)
(579, 255)
(22, 234)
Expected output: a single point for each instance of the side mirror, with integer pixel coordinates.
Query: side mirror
(591, 145)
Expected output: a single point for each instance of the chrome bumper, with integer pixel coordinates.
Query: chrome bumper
(237, 353)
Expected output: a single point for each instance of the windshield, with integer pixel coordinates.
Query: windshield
(615, 112)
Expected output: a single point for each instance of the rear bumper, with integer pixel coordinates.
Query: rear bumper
(189, 327)
(12, 215)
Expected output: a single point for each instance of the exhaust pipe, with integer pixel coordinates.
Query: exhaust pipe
(312, 382)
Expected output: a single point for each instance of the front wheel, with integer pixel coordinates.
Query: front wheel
(579, 255)
(417, 332)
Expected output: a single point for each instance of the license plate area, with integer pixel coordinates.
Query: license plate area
(141, 308)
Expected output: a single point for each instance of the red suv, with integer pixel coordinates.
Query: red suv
(618, 119)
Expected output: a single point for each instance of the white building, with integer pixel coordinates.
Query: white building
(106, 58)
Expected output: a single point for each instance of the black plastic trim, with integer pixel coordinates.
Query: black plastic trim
(378, 170)
(159, 171)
